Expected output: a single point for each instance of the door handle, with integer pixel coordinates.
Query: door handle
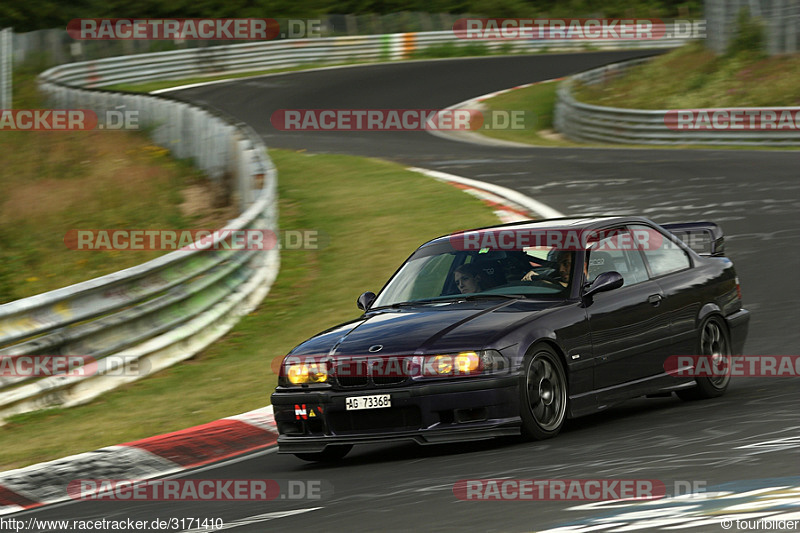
(655, 299)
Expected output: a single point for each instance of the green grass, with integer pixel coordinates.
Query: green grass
(540, 99)
(452, 50)
(692, 77)
(53, 181)
(705, 81)
(374, 215)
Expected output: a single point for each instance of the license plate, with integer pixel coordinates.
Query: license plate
(368, 402)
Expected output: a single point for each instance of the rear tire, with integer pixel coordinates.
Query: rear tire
(330, 454)
(714, 344)
(543, 394)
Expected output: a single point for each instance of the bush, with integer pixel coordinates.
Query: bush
(450, 50)
(749, 37)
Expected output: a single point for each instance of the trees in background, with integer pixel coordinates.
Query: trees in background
(29, 15)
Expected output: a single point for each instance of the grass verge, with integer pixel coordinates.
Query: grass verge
(54, 181)
(706, 81)
(693, 77)
(540, 99)
(374, 215)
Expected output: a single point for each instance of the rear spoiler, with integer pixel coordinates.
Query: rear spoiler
(705, 238)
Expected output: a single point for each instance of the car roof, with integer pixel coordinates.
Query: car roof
(596, 222)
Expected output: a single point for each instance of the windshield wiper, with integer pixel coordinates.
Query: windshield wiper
(415, 302)
(480, 296)
(455, 297)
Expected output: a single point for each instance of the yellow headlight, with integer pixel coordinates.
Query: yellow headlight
(443, 364)
(307, 373)
(297, 374)
(467, 362)
(317, 373)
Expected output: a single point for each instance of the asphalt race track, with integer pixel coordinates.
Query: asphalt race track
(743, 448)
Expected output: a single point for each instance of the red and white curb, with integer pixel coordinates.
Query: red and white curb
(167, 454)
(508, 205)
(162, 455)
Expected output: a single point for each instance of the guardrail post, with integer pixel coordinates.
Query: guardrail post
(6, 68)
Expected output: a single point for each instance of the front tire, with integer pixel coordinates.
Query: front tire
(330, 454)
(543, 394)
(715, 345)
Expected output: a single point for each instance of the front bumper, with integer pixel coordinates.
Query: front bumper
(426, 413)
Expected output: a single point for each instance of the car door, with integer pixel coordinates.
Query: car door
(629, 329)
(668, 265)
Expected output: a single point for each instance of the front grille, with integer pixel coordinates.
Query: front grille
(353, 381)
(365, 373)
(389, 380)
(397, 418)
(352, 373)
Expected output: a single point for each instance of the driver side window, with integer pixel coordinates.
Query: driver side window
(663, 256)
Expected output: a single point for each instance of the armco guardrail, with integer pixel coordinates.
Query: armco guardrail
(254, 56)
(146, 318)
(168, 309)
(591, 123)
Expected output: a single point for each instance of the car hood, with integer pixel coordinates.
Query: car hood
(439, 327)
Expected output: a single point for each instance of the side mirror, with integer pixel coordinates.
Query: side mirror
(605, 281)
(365, 300)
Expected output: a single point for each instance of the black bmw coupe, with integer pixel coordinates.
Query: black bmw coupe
(512, 329)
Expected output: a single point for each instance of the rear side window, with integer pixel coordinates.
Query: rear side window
(665, 258)
(607, 255)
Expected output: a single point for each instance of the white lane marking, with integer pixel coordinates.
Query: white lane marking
(253, 520)
(776, 445)
(543, 210)
(8, 509)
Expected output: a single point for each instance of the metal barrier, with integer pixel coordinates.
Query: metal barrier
(57, 47)
(143, 319)
(592, 123)
(168, 309)
(255, 56)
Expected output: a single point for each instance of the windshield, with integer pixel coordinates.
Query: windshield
(439, 273)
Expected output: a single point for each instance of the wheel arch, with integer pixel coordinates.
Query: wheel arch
(551, 343)
(709, 310)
